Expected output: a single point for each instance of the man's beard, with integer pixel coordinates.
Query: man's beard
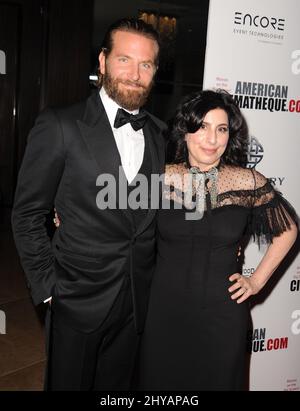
(128, 99)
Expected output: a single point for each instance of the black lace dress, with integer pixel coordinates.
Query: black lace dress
(195, 335)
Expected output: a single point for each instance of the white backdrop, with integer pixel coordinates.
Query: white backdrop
(253, 51)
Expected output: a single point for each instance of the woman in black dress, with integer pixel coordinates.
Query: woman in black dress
(195, 333)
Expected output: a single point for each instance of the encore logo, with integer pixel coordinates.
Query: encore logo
(265, 22)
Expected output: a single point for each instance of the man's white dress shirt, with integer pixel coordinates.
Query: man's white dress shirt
(130, 143)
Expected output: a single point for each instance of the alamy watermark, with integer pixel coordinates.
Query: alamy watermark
(153, 194)
(2, 322)
(2, 62)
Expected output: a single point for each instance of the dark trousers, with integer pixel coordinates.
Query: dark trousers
(101, 360)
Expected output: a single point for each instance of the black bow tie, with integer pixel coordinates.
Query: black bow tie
(137, 121)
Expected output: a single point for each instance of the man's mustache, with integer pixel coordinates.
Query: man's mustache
(133, 83)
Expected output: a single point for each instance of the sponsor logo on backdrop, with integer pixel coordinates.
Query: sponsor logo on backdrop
(295, 282)
(255, 152)
(258, 342)
(259, 21)
(248, 271)
(264, 28)
(255, 155)
(296, 62)
(2, 62)
(295, 327)
(261, 96)
(277, 181)
(222, 82)
(292, 384)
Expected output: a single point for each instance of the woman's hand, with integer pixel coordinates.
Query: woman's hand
(243, 287)
(56, 220)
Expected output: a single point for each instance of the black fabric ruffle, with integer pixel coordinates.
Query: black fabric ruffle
(271, 219)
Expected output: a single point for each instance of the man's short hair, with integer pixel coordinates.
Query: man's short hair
(131, 25)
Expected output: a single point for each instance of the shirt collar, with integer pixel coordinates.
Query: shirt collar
(111, 107)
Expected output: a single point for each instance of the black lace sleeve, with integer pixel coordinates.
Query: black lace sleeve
(271, 214)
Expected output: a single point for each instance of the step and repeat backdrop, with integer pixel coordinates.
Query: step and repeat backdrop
(253, 51)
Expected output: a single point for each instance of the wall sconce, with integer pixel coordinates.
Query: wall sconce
(165, 25)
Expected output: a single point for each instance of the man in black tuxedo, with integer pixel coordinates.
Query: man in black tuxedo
(97, 270)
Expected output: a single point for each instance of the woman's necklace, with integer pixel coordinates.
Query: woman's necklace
(204, 182)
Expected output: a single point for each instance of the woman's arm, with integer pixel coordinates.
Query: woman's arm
(246, 286)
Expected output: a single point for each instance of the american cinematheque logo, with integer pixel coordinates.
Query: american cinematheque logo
(264, 28)
(257, 341)
(261, 96)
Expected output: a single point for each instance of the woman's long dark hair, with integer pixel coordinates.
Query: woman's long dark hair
(188, 119)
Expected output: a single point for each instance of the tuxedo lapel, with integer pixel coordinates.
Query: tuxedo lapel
(97, 133)
(150, 131)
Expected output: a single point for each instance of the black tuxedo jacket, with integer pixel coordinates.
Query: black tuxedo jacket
(92, 250)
